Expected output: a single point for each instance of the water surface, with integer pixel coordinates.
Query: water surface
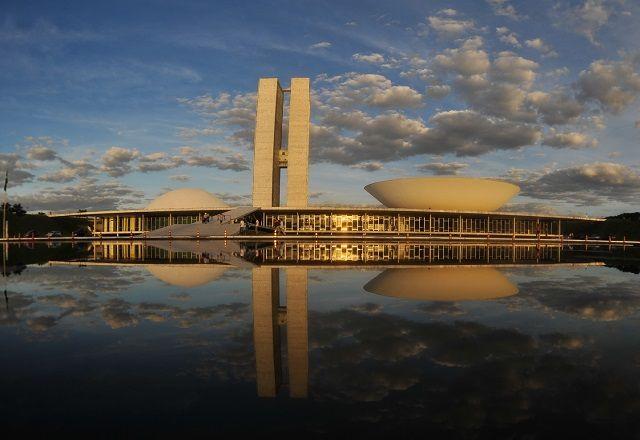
(328, 339)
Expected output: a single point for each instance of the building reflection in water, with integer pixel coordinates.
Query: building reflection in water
(319, 253)
(443, 283)
(426, 272)
(270, 320)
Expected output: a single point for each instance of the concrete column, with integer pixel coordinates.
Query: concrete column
(298, 144)
(266, 334)
(559, 228)
(267, 143)
(297, 331)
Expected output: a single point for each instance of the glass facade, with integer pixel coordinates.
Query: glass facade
(352, 222)
(138, 223)
(435, 224)
(339, 252)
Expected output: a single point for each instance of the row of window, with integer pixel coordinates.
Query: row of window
(410, 224)
(358, 223)
(346, 252)
(365, 252)
(135, 223)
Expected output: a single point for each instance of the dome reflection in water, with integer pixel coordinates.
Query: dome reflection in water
(444, 283)
(186, 275)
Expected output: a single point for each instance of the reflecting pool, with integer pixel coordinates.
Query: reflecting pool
(324, 338)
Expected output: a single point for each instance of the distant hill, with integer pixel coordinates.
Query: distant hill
(617, 226)
(631, 216)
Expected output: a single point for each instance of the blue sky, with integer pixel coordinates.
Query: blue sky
(109, 104)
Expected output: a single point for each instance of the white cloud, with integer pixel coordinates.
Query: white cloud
(180, 177)
(447, 27)
(116, 161)
(555, 108)
(466, 60)
(355, 89)
(468, 133)
(438, 91)
(502, 89)
(42, 153)
(508, 37)
(369, 166)
(441, 168)
(12, 162)
(73, 170)
(505, 9)
(570, 139)
(545, 49)
(320, 45)
(508, 67)
(206, 103)
(392, 136)
(373, 58)
(588, 184)
(237, 115)
(560, 71)
(613, 85)
(88, 194)
(585, 19)
(530, 207)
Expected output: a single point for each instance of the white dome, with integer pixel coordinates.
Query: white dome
(186, 198)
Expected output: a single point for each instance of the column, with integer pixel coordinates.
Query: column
(267, 143)
(298, 143)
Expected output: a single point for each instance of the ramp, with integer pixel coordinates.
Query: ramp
(213, 227)
(240, 211)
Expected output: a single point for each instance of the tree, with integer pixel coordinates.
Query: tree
(18, 210)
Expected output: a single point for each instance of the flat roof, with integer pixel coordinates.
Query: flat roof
(325, 209)
(323, 264)
(135, 211)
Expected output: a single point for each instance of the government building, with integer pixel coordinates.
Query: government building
(436, 207)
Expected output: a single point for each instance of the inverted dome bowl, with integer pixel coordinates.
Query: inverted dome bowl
(443, 193)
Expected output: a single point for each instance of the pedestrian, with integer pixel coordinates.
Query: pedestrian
(257, 225)
(279, 227)
(242, 225)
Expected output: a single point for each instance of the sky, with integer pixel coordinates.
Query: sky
(107, 105)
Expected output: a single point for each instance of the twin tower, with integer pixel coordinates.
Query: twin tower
(269, 157)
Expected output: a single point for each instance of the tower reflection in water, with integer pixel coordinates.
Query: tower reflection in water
(426, 272)
(269, 319)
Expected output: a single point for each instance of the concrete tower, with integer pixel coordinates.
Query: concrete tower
(298, 145)
(267, 143)
(269, 157)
